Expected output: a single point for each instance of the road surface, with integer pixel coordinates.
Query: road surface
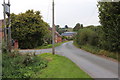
(95, 66)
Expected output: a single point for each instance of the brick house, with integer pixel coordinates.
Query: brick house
(69, 34)
(1, 31)
(1, 35)
(58, 37)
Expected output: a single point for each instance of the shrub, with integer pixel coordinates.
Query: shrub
(86, 36)
(16, 65)
(4, 47)
(108, 54)
(93, 39)
(29, 29)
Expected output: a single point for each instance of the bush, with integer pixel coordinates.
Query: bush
(108, 54)
(29, 29)
(92, 39)
(109, 14)
(4, 47)
(16, 65)
(86, 36)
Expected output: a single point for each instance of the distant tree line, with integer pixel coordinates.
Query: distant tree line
(77, 27)
(66, 28)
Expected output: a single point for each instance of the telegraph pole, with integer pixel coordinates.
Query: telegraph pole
(53, 30)
(7, 27)
(5, 31)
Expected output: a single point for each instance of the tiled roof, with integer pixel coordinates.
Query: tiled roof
(68, 33)
(56, 33)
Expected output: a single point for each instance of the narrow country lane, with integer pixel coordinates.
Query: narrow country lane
(95, 66)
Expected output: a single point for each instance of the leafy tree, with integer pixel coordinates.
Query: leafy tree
(66, 26)
(86, 36)
(29, 29)
(77, 27)
(61, 30)
(81, 25)
(90, 26)
(57, 27)
(109, 14)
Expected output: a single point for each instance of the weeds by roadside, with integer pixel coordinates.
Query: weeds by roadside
(16, 65)
(98, 51)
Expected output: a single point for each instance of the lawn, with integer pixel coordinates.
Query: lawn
(60, 67)
(50, 45)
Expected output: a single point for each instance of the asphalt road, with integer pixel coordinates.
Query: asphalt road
(95, 66)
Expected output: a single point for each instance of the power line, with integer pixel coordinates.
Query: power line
(91, 16)
(48, 10)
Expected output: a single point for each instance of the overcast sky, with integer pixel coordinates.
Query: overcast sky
(67, 12)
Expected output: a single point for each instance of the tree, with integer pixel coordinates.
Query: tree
(66, 26)
(57, 27)
(86, 36)
(109, 14)
(61, 30)
(81, 25)
(29, 29)
(77, 27)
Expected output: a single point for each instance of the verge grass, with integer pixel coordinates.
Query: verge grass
(16, 65)
(60, 67)
(50, 45)
(98, 51)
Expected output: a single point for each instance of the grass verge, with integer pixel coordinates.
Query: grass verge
(98, 51)
(16, 65)
(50, 45)
(60, 67)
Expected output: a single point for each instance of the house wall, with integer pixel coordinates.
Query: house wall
(1, 23)
(0, 37)
(16, 45)
(58, 39)
(1, 33)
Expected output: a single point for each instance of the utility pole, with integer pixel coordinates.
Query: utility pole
(5, 31)
(53, 30)
(7, 27)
